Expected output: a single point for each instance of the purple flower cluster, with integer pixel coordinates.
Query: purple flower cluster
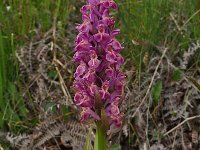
(98, 79)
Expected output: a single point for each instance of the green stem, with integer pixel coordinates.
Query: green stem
(100, 138)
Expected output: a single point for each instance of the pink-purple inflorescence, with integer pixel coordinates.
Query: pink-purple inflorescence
(98, 78)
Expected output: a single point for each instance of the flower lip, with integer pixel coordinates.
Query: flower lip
(113, 109)
(83, 45)
(93, 89)
(90, 75)
(111, 56)
(94, 62)
(104, 90)
(81, 69)
(82, 100)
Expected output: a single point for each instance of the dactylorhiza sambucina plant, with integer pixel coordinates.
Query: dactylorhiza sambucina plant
(99, 82)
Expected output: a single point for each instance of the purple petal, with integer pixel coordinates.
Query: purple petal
(113, 5)
(106, 4)
(110, 3)
(120, 76)
(83, 45)
(81, 56)
(93, 2)
(111, 56)
(110, 72)
(105, 13)
(98, 37)
(117, 121)
(113, 34)
(102, 36)
(81, 69)
(93, 89)
(85, 27)
(119, 86)
(112, 109)
(87, 113)
(94, 62)
(104, 94)
(85, 9)
(105, 37)
(104, 90)
(81, 37)
(78, 97)
(119, 59)
(83, 100)
(115, 97)
(116, 45)
(108, 21)
(90, 75)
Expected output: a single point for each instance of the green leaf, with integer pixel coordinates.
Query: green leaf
(52, 74)
(50, 106)
(177, 75)
(1, 120)
(156, 91)
(65, 109)
(116, 147)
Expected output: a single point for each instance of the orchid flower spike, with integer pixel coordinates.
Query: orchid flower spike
(99, 81)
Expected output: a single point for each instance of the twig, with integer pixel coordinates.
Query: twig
(180, 124)
(20, 60)
(55, 62)
(63, 86)
(190, 18)
(29, 54)
(151, 83)
(176, 23)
